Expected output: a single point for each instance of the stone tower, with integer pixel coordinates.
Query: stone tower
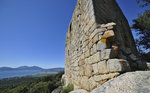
(99, 45)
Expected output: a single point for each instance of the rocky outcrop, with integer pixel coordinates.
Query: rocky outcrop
(132, 82)
(57, 90)
(79, 91)
(99, 45)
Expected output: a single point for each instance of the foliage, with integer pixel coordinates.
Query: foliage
(142, 27)
(68, 89)
(43, 85)
(16, 80)
(144, 2)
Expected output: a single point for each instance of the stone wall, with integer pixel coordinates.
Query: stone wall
(99, 45)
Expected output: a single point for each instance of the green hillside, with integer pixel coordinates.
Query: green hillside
(41, 85)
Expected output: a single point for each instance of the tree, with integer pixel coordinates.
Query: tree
(142, 27)
(144, 2)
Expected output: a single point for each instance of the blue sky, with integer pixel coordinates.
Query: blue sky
(32, 32)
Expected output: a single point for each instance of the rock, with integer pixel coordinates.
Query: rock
(131, 82)
(57, 90)
(118, 65)
(79, 91)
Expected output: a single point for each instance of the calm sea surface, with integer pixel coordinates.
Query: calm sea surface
(8, 74)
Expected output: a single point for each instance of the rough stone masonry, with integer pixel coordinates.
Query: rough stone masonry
(99, 45)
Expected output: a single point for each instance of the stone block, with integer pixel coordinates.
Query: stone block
(97, 31)
(87, 54)
(108, 54)
(108, 34)
(92, 28)
(94, 48)
(94, 58)
(88, 70)
(91, 43)
(142, 65)
(107, 25)
(118, 65)
(105, 54)
(105, 76)
(92, 51)
(85, 83)
(133, 57)
(95, 68)
(75, 64)
(82, 71)
(96, 38)
(110, 27)
(101, 45)
(102, 67)
(126, 50)
(82, 56)
(92, 83)
(81, 62)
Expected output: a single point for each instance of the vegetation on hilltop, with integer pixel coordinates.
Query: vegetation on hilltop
(43, 85)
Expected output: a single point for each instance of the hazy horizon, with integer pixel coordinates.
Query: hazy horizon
(30, 66)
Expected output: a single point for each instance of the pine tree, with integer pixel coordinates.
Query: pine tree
(142, 27)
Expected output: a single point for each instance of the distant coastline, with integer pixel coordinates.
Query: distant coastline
(7, 72)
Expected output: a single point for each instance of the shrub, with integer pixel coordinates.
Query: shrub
(68, 89)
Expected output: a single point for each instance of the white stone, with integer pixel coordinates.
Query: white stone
(92, 83)
(101, 45)
(85, 83)
(95, 58)
(95, 68)
(118, 65)
(102, 67)
(88, 70)
(109, 33)
(107, 25)
(105, 54)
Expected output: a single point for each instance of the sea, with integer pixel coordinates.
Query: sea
(9, 74)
